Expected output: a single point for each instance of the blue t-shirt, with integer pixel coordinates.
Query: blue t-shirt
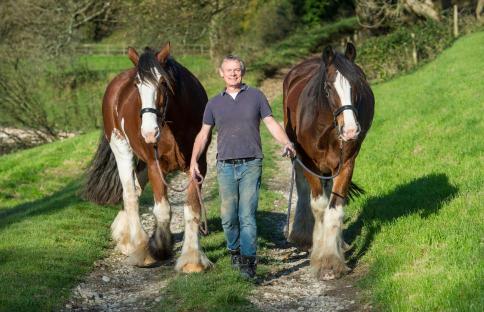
(237, 122)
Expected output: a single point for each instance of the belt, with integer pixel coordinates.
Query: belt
(237, 160)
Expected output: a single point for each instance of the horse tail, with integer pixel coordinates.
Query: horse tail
(355, 191)
(103, 185)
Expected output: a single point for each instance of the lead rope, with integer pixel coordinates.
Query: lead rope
(296, 160)
(203, 226)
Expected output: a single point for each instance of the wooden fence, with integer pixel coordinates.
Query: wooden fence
(121, 49)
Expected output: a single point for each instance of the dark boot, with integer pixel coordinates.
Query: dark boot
(235, 259)
(248, 266)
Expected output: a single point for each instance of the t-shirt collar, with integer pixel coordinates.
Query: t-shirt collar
(243, 87)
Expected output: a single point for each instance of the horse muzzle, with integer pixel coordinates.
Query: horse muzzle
(151, 137)
(350, 133)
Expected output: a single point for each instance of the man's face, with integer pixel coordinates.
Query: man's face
(231, 72)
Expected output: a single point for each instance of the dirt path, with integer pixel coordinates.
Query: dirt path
(114, 285)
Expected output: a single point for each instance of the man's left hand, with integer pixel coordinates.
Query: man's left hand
(289, 150)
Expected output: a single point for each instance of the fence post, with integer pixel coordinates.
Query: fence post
(456, 21)
(414, 49)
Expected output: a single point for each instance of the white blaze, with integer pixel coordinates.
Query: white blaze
(343, 87)
(148, 93)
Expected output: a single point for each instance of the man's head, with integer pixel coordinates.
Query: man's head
(232, 69)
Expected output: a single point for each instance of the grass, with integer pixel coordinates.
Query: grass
(49, 237)
(419, 230)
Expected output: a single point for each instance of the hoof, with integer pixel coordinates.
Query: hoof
(329, 268)
(125, 248)
(120, 233)
(192, 268)
(161, 244)
(328, 275)
(193, 261)
(142, 258)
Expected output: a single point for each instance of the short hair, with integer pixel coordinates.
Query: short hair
(232, 57)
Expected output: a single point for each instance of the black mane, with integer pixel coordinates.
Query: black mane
(148, 65)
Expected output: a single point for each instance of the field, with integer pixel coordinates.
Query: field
(417, 232)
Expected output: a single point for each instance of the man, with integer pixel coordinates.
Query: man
(236, 113)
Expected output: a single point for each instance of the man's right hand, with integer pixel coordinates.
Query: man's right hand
(194, 171)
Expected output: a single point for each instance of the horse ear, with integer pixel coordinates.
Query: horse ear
(350, 52)
(328, 55)
(164, 53)
(133, 56)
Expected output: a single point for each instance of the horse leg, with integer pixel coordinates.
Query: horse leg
(126, 228)
(192, 258)
(302, 227)
(161, 242)
(141, 177)
(329, 262)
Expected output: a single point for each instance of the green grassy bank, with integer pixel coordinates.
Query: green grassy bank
(49, 238)
(419, 230)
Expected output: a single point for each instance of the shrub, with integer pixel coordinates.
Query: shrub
(385, 56)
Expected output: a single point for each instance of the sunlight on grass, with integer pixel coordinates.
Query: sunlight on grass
(419, 228)
(49, 237)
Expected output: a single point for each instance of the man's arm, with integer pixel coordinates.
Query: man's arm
(198, 148)
(279, 134)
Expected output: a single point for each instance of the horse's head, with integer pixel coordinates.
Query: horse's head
(340, 86)
(153, 84)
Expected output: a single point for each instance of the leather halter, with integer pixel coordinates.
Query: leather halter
(162, 114)
(337, 112)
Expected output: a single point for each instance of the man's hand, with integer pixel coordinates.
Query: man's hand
(194, 171)
(289, 150)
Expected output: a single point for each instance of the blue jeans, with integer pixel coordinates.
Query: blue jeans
(239, 186)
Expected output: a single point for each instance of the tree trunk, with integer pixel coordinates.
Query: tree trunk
(424, 8)
(479, 7)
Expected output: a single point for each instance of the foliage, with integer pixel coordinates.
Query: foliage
(317, 11)
(268, 22)
(419, 229)
(47, 27)
(20, 104)
(299, 45)
(385, 56)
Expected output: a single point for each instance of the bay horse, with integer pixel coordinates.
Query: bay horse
(328, 110)
(152, 114)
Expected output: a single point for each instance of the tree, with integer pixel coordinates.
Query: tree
(384, 13)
